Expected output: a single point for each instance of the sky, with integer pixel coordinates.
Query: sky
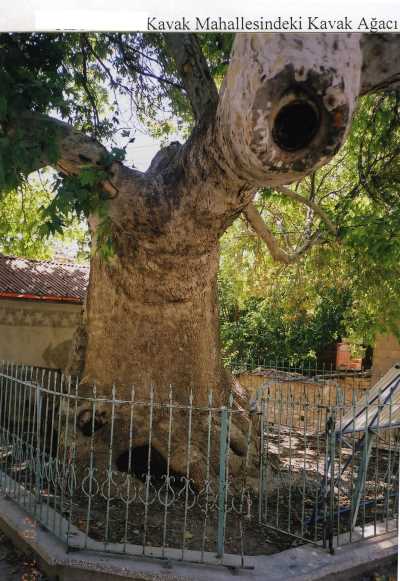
(141, 152)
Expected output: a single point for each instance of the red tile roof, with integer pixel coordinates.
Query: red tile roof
(21, 278)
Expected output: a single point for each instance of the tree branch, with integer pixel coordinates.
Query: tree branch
(277, 119)
(194, 72)
(140, 71)
(75, 150)
(281, 118)
(381, 66)
(312, 205)
(278, 254)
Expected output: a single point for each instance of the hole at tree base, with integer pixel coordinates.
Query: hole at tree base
(295, 125)
(139, 463)
(87, 425)
(236, 448)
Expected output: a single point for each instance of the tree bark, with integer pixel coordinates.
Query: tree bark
(152, 324)
(152, 320)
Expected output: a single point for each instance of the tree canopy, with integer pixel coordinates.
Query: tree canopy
(86, 79)
(23, 230)
(346, 285)
(342, 220)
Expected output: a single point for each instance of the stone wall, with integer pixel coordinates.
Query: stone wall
(37, 332)
(353, 383)
(386, 354)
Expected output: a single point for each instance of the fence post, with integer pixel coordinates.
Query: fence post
(329, 479)
(332, 453)
(222, 481)
(38, 427)
(368, 443)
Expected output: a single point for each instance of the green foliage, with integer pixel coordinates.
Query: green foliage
(83, 78)
(21, 221)
(265, 329)
(42, 73)
(78, 196)
(270, 312)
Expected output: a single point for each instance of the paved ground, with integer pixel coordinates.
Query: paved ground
(15, 566)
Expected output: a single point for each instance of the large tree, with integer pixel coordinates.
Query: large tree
(284, 108)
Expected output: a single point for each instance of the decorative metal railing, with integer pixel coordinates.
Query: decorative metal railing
(313, 466)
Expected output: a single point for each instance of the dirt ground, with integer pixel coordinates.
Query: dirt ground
(387, 573)
(16, 566)
(288, 508)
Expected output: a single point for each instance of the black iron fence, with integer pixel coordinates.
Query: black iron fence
(309, 459)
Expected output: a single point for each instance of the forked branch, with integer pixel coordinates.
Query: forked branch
(193, 69)
(278, 254)
(312, 205)
(76, 151)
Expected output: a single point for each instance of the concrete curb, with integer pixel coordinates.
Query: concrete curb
(305, 563)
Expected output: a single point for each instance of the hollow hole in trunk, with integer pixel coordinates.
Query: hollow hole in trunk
(139, 463)
(295, 125)
(236, 448)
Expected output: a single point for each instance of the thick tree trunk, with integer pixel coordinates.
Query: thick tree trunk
(154, 322)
